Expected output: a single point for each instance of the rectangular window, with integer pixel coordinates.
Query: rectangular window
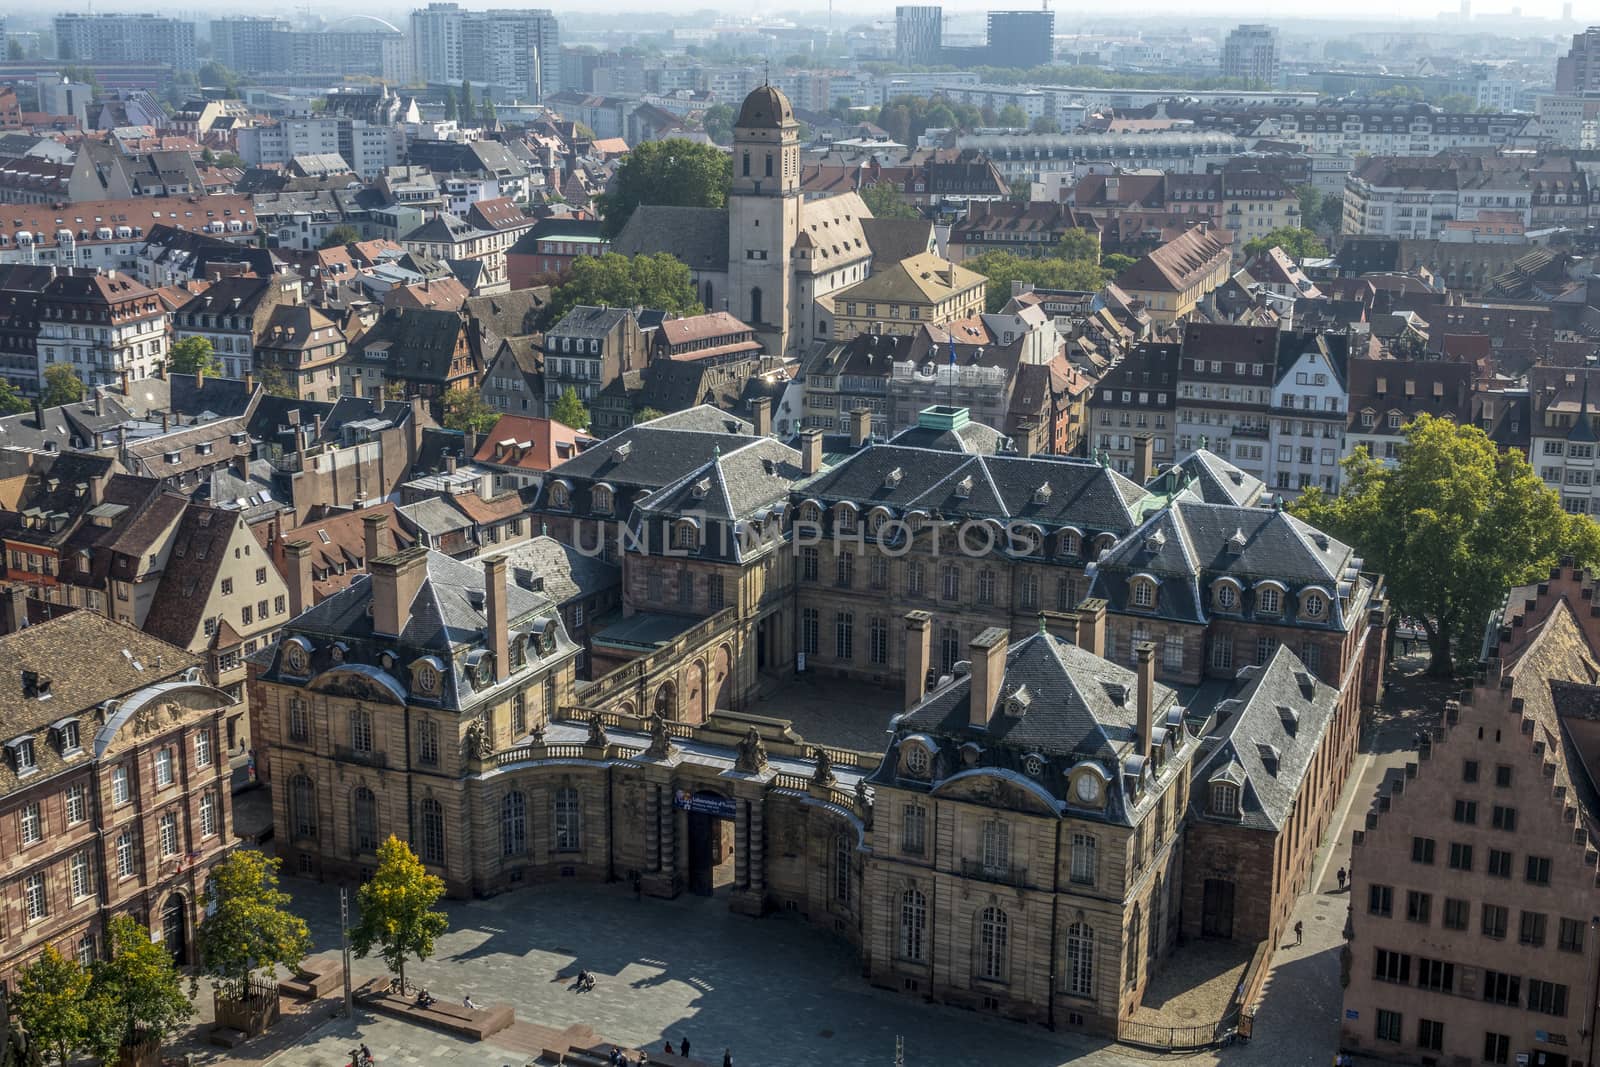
(808, 631)
(1502, 776)
(1456, 913)
(1389, 1023)
(1084, 847)
(1460, 856)
(1392, 967)
(1494, 921)
(714, 592)
(1469, 770)
(1538, 870)
(1504, 818)
(208, 814)
(1547, 998)
(1570, 935)
(1419, 906)
(1496, 1047)
(1531, 929)
(1466, 811)
(845, 570)
(808, 564)
(164, 767)
(202, 748)
(169, 834)
(80, 875)
(34, 894)
(32, 825)
(914, 830)
(1430, 1034)
(1499, 863)
(844, 628)
(77, 803)
(1501, 988)
(1380, 900)
(1422, 850)
(119, 785)
(878, 640)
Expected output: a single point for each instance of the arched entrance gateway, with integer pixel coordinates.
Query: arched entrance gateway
(175, 928)
(711, 817)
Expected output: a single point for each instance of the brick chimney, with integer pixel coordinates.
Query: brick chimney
(988, 655)
(810, 450)
(1144, 458)
(762, 410)
(494, 607)
(372, 527)
(1145, 653)
(1023, 440)
(396, 580)
(860, 426)
(297, 556)
(1092, 626)
(919, 651)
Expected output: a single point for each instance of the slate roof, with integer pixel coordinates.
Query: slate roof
(592, 322)
(1205, 476)
(892, 240)
(434, 516)
(744, 483)
(698, 236)
(974, 438)
(1269, 732)
(199, 550)
(1082, 494)
(562, 573)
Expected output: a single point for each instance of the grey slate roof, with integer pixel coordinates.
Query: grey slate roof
(1207, 477)
(698, 236)
(560, 572)
(1275, 724)
(974, 438)
(585, 321)
(734, 486)
(434, 516)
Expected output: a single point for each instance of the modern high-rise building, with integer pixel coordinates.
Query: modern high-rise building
(1579, 70)
(127, 39)
(1251, 54)
(244, 42)
(501, 48)
(1022, 38)
(918, 33)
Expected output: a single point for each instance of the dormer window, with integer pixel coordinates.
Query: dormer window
(1315, 605)
(892, 479)
(844, 516)
(1224, 798)
(917, 760)
(685, 535)
(810, 513)
(560, 495)
(1070, 543)
(1144, 593)
(1154, 542)
(22, 755)
(600, 499)
(68, 737)
(428, 678)
(1227, 597)
(700, 488)
(964, 488)
(1269, 601)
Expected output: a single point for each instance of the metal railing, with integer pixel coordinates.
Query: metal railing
(1178, 1038)
(1010, 875)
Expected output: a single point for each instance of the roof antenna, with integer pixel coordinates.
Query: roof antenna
(766, 71)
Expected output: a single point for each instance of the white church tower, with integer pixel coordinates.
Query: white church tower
(764, 218)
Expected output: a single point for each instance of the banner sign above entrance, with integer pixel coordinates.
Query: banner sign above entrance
(721, 807)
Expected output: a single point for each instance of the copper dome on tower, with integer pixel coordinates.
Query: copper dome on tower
(765, 109)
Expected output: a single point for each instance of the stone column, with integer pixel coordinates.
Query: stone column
(741, 847)
(652, 828)
(758, 850)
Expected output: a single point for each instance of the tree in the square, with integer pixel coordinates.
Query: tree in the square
(614, 280)
(193, 355)
(885, 202)
(135, 996)
(569, 410)
(51, 1001)
(248, 927)
(397, 917)
(465, 409)
(1299, 243)
(1452, 526)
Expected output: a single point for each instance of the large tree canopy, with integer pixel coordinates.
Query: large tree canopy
(397, 917)
(1298, 243)
(673, 171)
(1002, 268)
(1451, 527)
(657, 281)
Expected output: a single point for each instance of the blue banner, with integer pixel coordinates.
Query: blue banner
(721, 807)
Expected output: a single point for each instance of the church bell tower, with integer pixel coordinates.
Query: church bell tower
(764, 217)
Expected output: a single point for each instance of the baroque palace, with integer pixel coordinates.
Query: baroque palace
(1124, 709)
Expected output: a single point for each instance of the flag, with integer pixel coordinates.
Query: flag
(952, 348)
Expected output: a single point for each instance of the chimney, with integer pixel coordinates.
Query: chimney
(199, 378)
(450, 463)
(988, 655)
(470, 449)
(38, 412)
(1144, 458)
(396, 580)
(919, 651)
(298, 556)
(241, 464)
(100, 401)
(762, 410)
(1092, 626)
(166, 421)
(1024, 439)
(1146, 654)
(494, 605)
(126, 380)
(316, 422)
(810, 450)
(372, 535)
(860, 426)
(249, 383)
(14, 609)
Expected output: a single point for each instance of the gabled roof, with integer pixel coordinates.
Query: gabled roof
(529, 444)
(696, 235)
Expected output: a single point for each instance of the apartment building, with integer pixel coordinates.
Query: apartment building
(103, 323)
(131, 38)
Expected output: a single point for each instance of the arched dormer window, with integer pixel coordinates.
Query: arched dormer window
(915, 759)
(1314, 605)
(601, 499)
(685, 534)
(1103, 542)
(1143, 591)
(1224, 798)
(876, 520)
(809, 512)
(844, 516)
(1269, 601)
(1069, 543)
(560, 495)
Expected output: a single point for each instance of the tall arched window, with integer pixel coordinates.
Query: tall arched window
(1080, 960)
(513, 824)
(755, 304)
(1133, 946)
(993, 933)
(843, 851)
(364, 819)
(708, 300)
(567, 816)
(432, 832)
(302, 806)
(913, 925)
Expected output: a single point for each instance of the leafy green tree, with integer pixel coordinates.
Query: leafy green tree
(215, 74)
(469, 113)
(1457, 103)
(51, 1001)
(883, 200)
(659, 281)
(464, 409)
(397, 917)
(1310, 205)
(1115, 263)
(673, 171)
(840, 109)
(137, 994)
(1404, 93)
(1332, 212)
(1046, 124)
(193, 355)
(645, 414)
(1297, 241)
(569, 410)
(1002, 268)
(340, 235)
(718, 123)
(450, 113)
(248, 927)
(11, 401)
(1079, 244)
(274, 381)
(1021, 189)
(1452, 526)
(1013, 116)
(61, 385)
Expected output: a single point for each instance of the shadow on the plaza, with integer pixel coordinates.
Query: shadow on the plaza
(1298, 1017)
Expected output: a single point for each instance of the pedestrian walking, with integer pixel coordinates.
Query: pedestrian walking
(669, 1049)
(727, 1058)
(1342, 877)
(1299, 931)
(683, 1046)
